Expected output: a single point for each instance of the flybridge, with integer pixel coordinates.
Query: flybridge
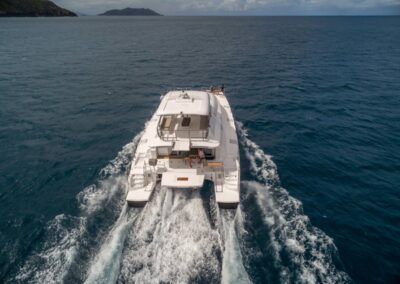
(188, 140)
(184, 115)
(185, 102)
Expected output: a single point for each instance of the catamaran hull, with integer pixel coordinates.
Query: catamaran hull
(191, 138)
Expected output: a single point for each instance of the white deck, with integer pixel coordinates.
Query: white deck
(224, 170)
(183, 178)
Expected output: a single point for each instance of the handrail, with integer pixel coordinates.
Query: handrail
(174, 136)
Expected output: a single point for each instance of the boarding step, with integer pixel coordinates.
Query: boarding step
(231, 182)
(138, 170)
(231, 178)
(137, 182)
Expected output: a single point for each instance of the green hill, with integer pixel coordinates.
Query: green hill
(32, 8)
(131, 12)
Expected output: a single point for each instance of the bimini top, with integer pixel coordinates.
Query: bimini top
(185, 102)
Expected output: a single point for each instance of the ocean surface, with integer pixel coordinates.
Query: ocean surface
(317, 105)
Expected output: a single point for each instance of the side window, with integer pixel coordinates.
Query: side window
(186, 121)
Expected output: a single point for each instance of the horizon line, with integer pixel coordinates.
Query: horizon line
(244, 15)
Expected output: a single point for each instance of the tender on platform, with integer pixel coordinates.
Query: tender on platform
(191, 138)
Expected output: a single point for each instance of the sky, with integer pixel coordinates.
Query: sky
(241, 7)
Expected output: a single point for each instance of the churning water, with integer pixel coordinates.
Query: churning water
(182, 236)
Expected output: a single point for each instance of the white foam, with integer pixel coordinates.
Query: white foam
(105, 266)
(311, 251)
(172, 241)
(94, 197)
(233, 270)
(52, 263)
(124, 158)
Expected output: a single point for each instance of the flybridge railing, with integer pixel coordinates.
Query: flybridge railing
(205, 89)
(182, 134)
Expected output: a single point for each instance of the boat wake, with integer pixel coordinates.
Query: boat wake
(173, 241)
(233, 270)
(282, 246)
(105, 266)
(69, 241)
(182, 236)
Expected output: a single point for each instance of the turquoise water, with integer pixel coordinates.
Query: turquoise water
(315, 99)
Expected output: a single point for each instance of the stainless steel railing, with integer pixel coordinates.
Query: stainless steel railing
(183, 134)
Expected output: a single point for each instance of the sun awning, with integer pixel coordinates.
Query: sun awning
(188, 102)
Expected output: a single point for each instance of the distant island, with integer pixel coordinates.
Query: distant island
(131, 12)
(32, 8)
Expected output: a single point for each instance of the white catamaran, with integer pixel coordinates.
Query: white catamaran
(190, 138)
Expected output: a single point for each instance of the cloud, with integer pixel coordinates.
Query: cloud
(227, 7)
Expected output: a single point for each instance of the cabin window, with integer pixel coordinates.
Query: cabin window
(186, 121)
